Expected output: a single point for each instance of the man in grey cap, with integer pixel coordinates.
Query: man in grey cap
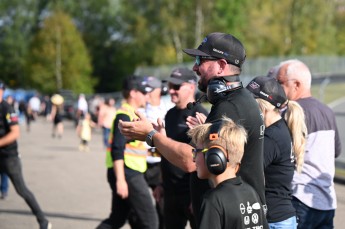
(155, 107)
(218, 62)
(175, 181)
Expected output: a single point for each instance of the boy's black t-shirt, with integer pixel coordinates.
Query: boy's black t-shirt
(232, 204)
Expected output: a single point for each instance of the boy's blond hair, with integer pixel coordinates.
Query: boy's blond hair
(232, 138)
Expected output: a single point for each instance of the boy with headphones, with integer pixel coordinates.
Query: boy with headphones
(232, 203)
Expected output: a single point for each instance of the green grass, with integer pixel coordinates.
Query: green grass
(332, 92)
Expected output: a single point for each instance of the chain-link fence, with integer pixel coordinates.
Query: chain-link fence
(324, 69)
(320, 66)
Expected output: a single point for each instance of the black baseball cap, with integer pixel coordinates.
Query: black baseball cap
(153, 82)
(182, 75)
(139, 83)
(220, 46)
(269, 89)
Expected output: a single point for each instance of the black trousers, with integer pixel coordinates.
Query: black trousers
(177, 211)
(139, 201)
(12, 166)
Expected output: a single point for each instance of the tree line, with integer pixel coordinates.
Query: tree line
(89, 46)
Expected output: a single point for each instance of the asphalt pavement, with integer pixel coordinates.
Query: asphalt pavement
(71, 186)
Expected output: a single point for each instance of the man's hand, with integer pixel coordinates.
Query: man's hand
(122, 188)
(158, 193)
(160, 127)
(137, 129)
(199, 118)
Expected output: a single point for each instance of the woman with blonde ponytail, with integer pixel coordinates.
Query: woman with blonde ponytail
(294, 117)
(284, 142)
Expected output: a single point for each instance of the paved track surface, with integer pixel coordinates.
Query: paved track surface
(71, 186)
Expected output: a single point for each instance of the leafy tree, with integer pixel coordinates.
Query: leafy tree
(16, 23)
(339, 22)
(310, 27)
(231, 18)
(120, 35)
(293, 27)
(98, 23)
(58, 57)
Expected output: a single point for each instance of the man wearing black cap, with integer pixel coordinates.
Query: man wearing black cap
(9, 158)
(126, 163)
(176, 182)
(218, 62)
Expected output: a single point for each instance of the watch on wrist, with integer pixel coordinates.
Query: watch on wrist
(149, 138)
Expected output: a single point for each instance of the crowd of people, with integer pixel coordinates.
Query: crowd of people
(282, 181)
(263, 156)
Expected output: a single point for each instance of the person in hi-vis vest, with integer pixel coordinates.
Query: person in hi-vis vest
(126, 163)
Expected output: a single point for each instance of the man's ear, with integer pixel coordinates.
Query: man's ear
(132, 93)
(222, 65)
(297, 85)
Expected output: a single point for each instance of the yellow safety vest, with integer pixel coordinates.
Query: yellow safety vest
(135, 151)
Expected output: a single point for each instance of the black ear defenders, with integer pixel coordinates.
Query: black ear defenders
(215, 158)
(217, 89)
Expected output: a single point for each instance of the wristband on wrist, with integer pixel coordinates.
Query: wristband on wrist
(149, 138)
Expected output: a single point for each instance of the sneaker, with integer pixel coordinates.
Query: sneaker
(46, 225)
(3, 195)
(104, 226)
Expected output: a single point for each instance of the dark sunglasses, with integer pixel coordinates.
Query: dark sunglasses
(175, 87)
(198, 59)
(143, 92)
(195, 151)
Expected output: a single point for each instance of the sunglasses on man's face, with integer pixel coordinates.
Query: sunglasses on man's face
(199, 59)
(175, 87)
(143, 92)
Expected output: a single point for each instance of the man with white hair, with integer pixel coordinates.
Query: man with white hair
(314, 195)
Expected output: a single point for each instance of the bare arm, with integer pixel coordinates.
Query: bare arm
(101, 116)
(53, 113)
(12, 136)
(179, 154)
(121, 183)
